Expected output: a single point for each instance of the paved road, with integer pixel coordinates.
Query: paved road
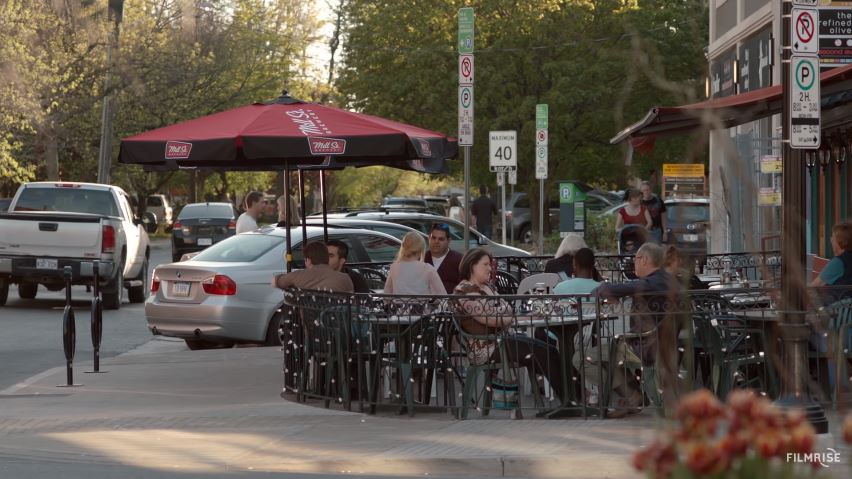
(31, 339)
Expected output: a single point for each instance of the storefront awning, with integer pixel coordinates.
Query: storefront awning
(726, 112)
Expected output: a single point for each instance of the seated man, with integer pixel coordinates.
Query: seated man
(317, 273)
(654, 294)
(445, 260)
(338, 251)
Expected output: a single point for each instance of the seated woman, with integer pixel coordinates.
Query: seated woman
(409, 275)
(492, 315)
(674, 265)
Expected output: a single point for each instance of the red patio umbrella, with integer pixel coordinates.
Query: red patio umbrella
(287, 132)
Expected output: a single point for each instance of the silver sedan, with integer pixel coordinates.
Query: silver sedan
(225, 295)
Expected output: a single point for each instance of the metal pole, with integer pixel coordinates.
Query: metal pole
(289, 237)
(511, 227)
(541, 217)
(301, 208)
(503, 206)
(794, 330)
(467, 204)
(324, 209)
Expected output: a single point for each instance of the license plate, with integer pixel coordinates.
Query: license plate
(180, 289)
(205, 241)
(47, 263)
(690, 238)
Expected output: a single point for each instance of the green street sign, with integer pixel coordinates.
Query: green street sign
(465, 30)
(541, 116)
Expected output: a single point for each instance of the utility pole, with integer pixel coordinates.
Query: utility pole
(793, 328)
(116, 11)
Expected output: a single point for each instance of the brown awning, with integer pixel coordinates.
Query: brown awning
(723, 112)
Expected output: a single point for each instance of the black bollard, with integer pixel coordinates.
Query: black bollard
(69, 336)
(97, 319)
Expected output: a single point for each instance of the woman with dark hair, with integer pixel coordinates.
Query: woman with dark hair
(674, 265)
(482, 313)
(633, 213)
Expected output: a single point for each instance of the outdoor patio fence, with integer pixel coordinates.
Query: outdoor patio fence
(418, 353)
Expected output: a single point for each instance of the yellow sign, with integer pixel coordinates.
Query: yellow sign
(683, 170)
(770, 164)
(769, 197)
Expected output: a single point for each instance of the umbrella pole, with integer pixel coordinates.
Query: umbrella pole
(324, 210)
(301, 208)
(288, 239)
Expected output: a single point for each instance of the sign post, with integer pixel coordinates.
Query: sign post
(797, 115)
(503, 157)
(541, 138)
(804, 102)
(572, 209)
(465, 136)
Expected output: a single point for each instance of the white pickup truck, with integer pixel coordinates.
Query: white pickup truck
(51, 225)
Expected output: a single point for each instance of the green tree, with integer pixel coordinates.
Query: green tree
(598, 65)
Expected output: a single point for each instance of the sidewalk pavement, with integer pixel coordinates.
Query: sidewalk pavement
(220, 410)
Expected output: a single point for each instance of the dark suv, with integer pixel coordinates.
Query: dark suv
(688, 220)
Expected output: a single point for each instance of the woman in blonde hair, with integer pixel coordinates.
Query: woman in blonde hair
(409, 274)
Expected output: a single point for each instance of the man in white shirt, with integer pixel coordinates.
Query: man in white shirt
(254, 207)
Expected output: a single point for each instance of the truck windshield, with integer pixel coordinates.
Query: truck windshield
(68, 200)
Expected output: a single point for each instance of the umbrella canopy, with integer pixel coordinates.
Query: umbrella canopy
(288, 132)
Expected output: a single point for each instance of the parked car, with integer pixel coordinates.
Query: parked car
(53, 225)
(4, 204)
(393, 229)
(225, 295)
(437, 204)
(689, 220)
(404, 202)
(200, 225)
(159, 205)
(519, 215)
(422, 222)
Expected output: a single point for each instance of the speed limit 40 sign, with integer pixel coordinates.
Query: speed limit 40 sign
(502, 148)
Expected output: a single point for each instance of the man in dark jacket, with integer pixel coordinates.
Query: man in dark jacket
(484, 210)
(445, 260)
(655, 296)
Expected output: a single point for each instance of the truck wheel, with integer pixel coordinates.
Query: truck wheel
(4, 291)
(138, 294)
(113, 292)
(27, 290)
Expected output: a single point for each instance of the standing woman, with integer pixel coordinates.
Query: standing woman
(482, 312)
(633, 213)
(409, 274)
(456, 212)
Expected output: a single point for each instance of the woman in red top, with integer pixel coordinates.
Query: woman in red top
(633, 213)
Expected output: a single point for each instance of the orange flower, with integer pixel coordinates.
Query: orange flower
(802, 438)
(659, 457)
(703, 458)
(794, 418)
(769, 444)
(700, 404)
(740, 400)
(847, 429)
(735, 444)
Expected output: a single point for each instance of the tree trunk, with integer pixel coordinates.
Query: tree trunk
(51, 156)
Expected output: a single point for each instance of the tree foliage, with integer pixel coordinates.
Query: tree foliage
(177, 59)
(599, 65)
